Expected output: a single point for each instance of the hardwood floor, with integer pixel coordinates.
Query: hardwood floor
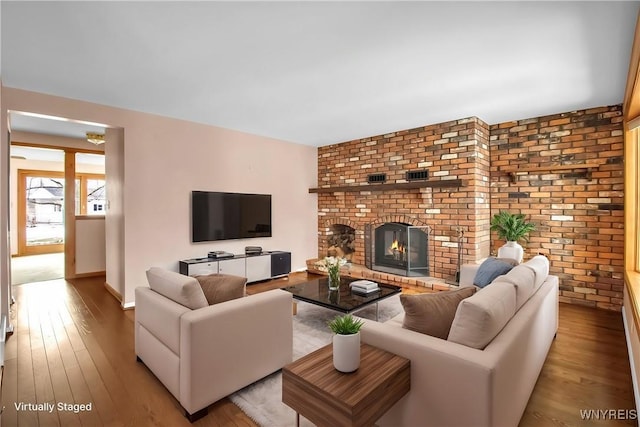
(73, 344)
(587, 369)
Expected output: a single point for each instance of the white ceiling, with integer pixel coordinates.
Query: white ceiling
(323, 72)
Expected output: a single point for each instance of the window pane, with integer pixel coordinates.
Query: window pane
(95, 197)
(45, 213)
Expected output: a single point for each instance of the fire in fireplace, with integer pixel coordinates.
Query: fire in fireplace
(400, 248)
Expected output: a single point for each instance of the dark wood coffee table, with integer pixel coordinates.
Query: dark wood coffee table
(317, 292)
(316, 390)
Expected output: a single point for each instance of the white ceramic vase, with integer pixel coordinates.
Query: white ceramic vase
(511, 250)
(346, 352)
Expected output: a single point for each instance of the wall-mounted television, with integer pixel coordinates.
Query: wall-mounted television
(224, 216)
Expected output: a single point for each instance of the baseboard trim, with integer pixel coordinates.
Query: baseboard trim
(113, 292)
(92, 274)
(118, 296)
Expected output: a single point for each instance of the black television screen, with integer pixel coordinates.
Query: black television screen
(223, 216)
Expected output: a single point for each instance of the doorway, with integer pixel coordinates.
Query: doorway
(39, 205)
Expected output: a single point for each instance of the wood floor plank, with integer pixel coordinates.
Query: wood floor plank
(60, 384)
(79, 391)
(26, 392)
(10, 391)
(587, 368)
(101, 399)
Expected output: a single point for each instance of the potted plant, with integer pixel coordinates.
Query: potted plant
(511, 228)
(346, 342)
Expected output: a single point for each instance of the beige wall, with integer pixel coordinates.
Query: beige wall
(90, 245)
(165, 159)
(114, 220)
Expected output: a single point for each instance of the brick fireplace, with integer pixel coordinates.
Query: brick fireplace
(454, 157)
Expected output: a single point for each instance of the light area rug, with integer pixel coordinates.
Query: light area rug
(262, 400)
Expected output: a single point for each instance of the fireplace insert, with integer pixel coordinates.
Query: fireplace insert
(400, 248)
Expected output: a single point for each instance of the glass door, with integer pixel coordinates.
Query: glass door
(40, 212)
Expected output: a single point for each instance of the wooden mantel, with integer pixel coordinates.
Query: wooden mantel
(441, 183)
(513, 171)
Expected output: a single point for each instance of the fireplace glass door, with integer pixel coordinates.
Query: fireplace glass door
(401, 249)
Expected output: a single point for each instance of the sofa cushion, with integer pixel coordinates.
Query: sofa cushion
(219, 288)
(482, 316)
(523, 278)
(540, 266)
(432, 313)
(490, 269)
(177, 287)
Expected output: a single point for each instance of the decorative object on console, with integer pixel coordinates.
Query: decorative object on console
(511, 228)
(333, 265)
(432, 313)
(252, 250)
(492, 268)
(220, 254)
(346, 342)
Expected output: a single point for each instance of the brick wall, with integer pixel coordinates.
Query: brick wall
(452, 150)
(580, 218)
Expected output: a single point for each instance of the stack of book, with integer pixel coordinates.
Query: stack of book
(364, 287)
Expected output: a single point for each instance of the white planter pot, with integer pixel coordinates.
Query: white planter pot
(346, 352)
(511, 250)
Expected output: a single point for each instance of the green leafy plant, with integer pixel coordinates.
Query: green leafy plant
(345, 325)
(511, 227)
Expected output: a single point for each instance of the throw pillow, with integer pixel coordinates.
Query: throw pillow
(481, 317)
(219, 288)
(523, 279)
(177, 287)
(432, 314)
(489, 270)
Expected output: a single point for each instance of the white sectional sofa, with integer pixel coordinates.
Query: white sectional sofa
(202, 353)
(458, 385)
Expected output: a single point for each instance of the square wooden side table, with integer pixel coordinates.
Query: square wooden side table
(315, 389)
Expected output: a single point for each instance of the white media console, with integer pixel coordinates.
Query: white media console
(255, 268)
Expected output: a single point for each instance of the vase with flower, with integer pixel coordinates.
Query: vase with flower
(333, 265)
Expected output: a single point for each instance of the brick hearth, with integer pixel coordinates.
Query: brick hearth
(360, 272)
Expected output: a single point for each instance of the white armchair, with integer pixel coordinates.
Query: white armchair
(202, 355)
